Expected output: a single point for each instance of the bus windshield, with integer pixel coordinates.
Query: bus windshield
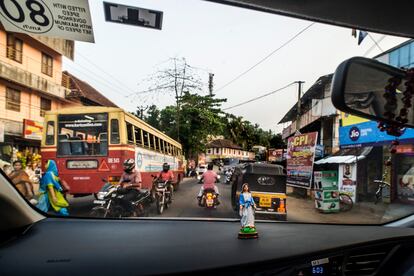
(83, 134)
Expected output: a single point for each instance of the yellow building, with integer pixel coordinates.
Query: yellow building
(223, 148)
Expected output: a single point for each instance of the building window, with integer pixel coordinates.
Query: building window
(45, 105)
(12, 99)
(14, 48)
(217, 150)
(47, 64)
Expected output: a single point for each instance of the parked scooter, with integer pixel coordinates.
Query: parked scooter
(162, 193)
(108, 203)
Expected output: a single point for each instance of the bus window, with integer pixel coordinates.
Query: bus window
(83, 134)
(114, 131)
(50, 133)
(162, 147)
(130, 133)
(152, 142)
(138, 136)
(157, 143)
(146, 137)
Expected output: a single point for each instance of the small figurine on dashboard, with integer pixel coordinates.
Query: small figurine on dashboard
(247, 206)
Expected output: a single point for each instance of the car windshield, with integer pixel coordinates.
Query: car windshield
(102, 100)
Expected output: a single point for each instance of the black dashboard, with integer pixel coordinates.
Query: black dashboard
(134, 247)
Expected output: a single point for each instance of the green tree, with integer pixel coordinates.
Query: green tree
(277, 141)
(152, 116)
(200, 116)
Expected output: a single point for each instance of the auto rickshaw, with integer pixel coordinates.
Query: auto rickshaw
(267, 183)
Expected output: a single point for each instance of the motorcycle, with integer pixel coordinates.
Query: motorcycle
(162, 193)
(209, 199)
(109, 198)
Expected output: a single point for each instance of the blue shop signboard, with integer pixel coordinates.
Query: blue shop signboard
(367, 134)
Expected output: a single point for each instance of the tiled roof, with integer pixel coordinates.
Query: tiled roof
(223, 143)
(80, 88)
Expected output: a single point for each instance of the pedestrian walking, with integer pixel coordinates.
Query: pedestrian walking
(51, 191)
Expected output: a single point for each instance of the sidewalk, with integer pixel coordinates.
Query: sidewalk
(303, 210)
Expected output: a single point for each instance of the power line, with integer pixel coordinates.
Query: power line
(266, 57)
(108, 74)
(259, 97)
(375, 45)
(95, 76)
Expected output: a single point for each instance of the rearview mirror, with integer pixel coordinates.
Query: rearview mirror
(358, 88)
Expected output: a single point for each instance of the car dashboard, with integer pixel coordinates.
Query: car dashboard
(174, 246)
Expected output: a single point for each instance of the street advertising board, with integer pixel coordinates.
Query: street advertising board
(68, 19)
(368, 134)
(319, 151)
(32, 130)
(135, 16)
(275, 155)
(326, 191)
(347, 179)
(300, 158)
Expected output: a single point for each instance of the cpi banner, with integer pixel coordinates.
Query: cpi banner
(300, 157)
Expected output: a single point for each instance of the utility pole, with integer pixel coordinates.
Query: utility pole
(141, 110)
(299, 105)
(210, 83)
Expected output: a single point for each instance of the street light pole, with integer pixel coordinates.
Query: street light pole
(298, 115)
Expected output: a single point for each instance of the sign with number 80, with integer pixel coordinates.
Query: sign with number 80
(32, 16)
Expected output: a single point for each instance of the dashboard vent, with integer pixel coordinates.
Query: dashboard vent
(365, 262)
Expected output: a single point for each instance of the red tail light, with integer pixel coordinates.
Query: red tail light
(114, 179)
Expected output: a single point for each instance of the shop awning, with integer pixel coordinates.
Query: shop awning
(346, 156)
(347, 159)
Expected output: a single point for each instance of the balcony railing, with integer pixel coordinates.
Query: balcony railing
(26, 78)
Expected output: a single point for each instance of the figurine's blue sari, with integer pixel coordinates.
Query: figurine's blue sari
(51, 180)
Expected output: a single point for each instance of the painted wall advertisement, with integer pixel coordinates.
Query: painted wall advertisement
(347, 179)
(32, 130)
(326, 191)
(300, 157)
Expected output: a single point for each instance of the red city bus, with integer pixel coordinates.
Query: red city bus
(77, 139)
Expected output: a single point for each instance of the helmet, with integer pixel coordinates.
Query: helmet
(165, 167)
(129, 165)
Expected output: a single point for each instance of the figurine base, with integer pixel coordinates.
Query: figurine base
(248, 233)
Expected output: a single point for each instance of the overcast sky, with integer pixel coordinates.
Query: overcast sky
(219, 39)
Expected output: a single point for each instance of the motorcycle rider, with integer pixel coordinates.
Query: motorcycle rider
(130, 183)
(166, 175)
(210, 177)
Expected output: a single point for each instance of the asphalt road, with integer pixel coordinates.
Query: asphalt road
(184, 203)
